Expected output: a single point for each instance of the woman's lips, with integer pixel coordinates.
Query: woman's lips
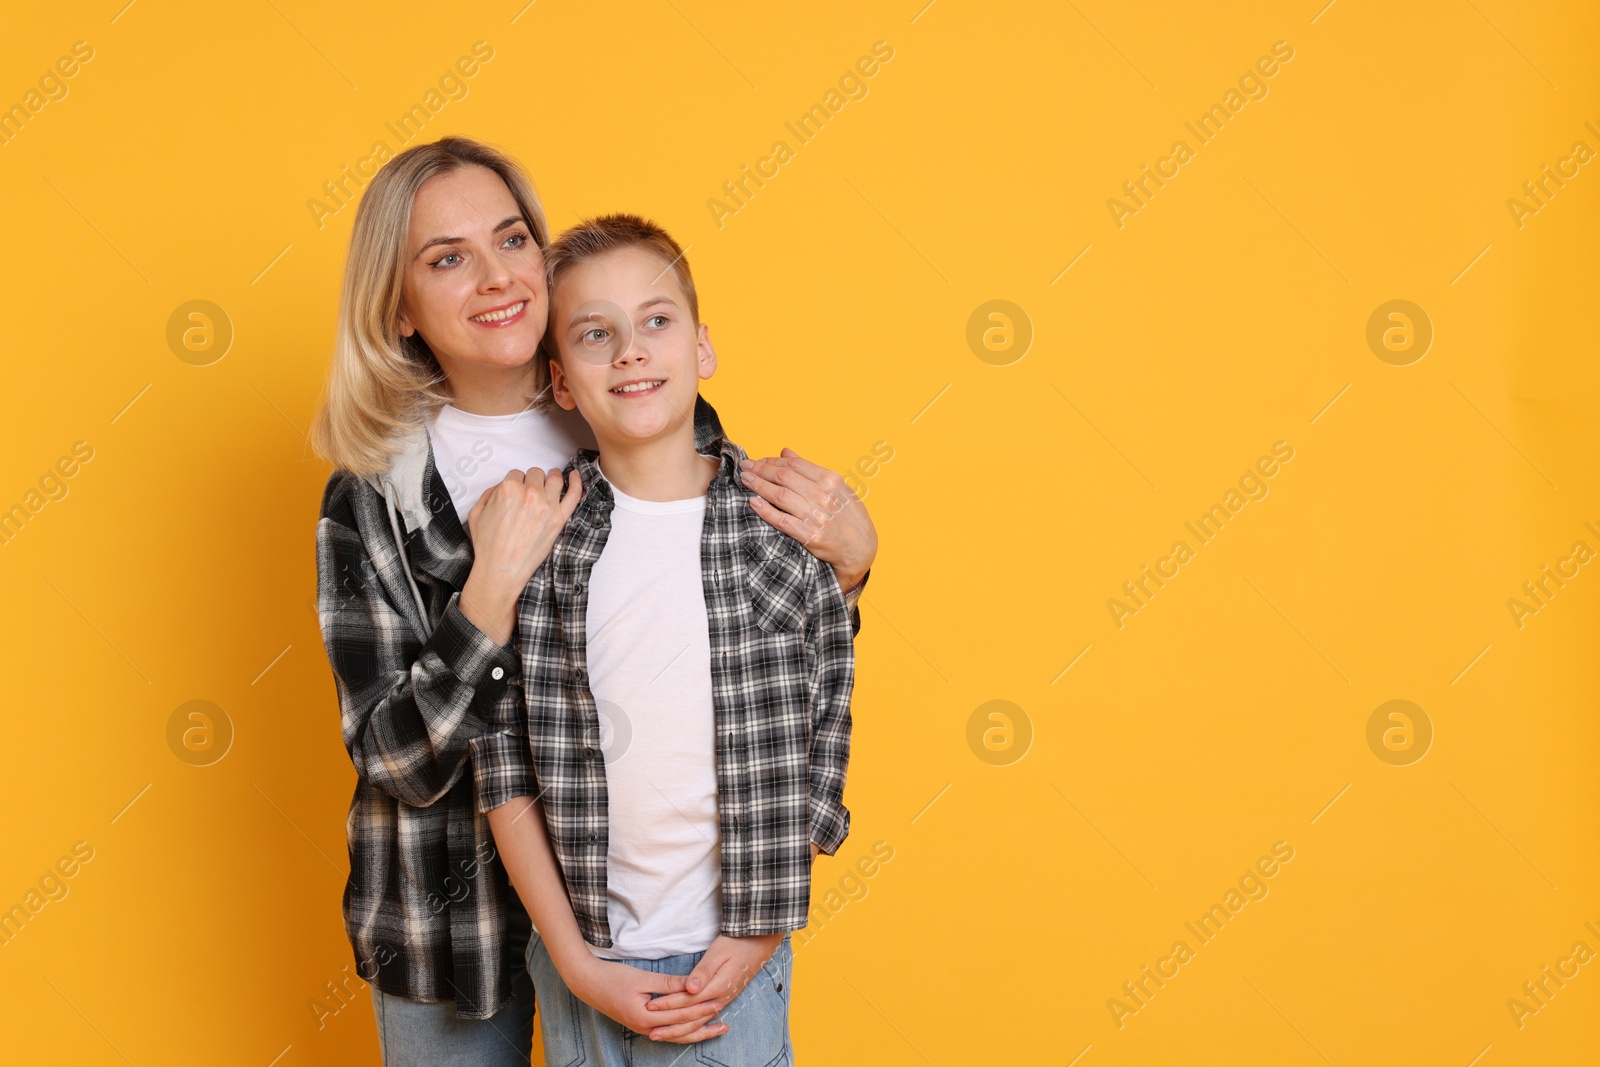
(501, 323)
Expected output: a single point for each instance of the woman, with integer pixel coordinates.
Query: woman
(437, 513)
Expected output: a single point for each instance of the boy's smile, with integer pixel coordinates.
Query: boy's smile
(639, 388)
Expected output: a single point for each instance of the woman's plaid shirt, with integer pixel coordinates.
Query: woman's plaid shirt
(782, 668)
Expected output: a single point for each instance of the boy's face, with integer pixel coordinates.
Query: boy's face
(631, 356)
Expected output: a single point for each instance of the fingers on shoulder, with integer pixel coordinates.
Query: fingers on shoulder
(830, 480)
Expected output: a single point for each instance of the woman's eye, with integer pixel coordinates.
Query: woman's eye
(516, 240)
(447, 256)
(657, 321)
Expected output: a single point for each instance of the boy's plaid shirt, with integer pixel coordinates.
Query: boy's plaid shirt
(782, 668)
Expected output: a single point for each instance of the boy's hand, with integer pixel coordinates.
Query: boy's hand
(722, 974)
(623, 993)
(814, 506)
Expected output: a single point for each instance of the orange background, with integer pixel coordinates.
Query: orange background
(1040, 860)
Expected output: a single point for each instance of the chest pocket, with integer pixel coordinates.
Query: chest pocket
(775, 581)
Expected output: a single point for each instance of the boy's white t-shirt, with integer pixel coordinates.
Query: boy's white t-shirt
(650, 670)
(474, 452)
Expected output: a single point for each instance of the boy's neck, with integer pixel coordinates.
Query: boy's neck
(663, 468)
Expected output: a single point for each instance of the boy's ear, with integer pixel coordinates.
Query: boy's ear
(707, 354)
(559, 390)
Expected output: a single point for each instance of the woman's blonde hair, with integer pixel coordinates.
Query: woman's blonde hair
(382, 384)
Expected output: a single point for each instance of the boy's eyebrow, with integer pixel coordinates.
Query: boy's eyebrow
(589, 316)
(511, 220)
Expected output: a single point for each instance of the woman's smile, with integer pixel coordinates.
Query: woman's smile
(502, 316)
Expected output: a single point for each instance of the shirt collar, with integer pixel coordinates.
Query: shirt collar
(597, 496)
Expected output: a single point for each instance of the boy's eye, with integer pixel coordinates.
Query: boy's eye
(595, 336)
(658, 321)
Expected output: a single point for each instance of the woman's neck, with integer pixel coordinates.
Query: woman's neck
(481, 390)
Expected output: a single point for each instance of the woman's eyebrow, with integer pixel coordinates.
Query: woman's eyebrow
(512, 220)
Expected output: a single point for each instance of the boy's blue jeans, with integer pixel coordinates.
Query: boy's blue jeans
(574, 1033)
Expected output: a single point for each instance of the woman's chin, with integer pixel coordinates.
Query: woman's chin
(509, 357)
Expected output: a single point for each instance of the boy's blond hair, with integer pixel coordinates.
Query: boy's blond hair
(607, 233)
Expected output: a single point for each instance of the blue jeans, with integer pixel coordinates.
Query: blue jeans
(414, 1034)
(758, 1020)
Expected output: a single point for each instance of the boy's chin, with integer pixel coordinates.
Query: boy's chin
(647, 425)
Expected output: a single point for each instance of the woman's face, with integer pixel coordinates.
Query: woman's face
(474, 278)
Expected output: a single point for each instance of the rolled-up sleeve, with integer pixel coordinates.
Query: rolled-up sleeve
(502, 764)
(831, 658)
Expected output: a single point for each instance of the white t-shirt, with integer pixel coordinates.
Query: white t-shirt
(473, 452)
(650, 670)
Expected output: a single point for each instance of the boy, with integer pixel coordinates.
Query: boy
(686, 672)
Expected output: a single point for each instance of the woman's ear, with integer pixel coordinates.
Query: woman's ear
(406, 329)
(707, 355)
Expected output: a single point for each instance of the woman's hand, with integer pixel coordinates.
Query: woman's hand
(721, 975)
(814, 506)
(622, 993)
(513, 526)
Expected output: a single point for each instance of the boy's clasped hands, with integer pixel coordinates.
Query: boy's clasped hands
(670, 1007)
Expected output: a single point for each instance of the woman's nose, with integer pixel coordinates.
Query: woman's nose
(494, 274)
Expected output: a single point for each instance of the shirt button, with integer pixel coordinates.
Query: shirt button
(581, 675)
(498, 673)
(588, 753)
(577, 587)
(594, 837)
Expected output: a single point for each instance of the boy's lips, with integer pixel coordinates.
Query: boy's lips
(502, 316)
(638, 387)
